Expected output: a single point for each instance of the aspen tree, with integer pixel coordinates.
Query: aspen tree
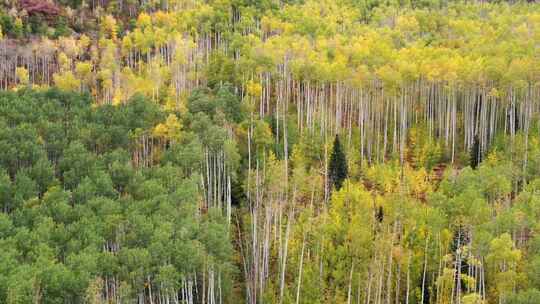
(22, 76)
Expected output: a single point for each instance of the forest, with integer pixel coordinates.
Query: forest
(269, 151)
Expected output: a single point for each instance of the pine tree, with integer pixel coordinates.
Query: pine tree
(475, 154)
(380, 214)
(338, 165)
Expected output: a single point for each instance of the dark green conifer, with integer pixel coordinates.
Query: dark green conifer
(475, 154)
(338, 165)
(380, 214)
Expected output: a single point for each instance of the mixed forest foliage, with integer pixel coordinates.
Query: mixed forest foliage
(236, 151)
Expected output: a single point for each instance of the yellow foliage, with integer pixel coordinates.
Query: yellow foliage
(127, 45)
(117, 97)
(407, 23)
(254, 89)
(183, 47)
(66, 81)
(417, 181)
(160, 130)
(69, 46)
(173, 127)
(84, 41)
(361, 76)
(350, 216)
(22, 76)
(106, 77)
(83, 70)
(390, 77)
(18, 23)
(170, 129)
(64, 62)
(472, 298)
(109, 28)
(492, 159)
(163, 19)
(144, 20)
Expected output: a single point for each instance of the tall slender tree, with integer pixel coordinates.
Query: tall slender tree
(337, 168)
(475, 153)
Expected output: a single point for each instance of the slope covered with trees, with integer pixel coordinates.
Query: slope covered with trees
(83, 220)
(232, 151)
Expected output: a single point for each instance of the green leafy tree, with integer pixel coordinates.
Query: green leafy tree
(529, 296)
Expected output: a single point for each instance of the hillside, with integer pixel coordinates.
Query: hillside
(276, 151)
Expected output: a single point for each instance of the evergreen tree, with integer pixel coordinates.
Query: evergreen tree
(475, 154)
(338, 165)
(380, 214)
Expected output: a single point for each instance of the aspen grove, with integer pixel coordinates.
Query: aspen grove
(269, 151)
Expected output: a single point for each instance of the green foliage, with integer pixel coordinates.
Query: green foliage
(37, 25)
(475, 154)
(337, 167)
(425, 151)
(61, 29)
(529, 296)
(220, 71)
(76, 212)
(7, 24)
(71, 3)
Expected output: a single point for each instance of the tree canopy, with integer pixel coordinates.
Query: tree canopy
(240, 151)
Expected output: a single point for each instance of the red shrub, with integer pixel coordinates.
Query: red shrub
(42, 7)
